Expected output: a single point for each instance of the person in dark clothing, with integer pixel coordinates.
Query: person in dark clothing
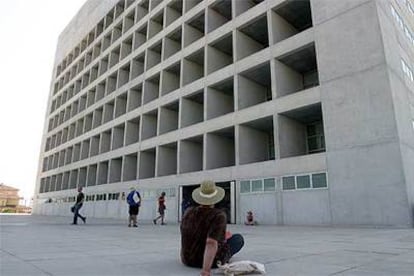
(203, 231)
(79, 202)
(184, 205)
(161, 209)
(134, 202)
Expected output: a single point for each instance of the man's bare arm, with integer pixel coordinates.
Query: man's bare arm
(209, 255)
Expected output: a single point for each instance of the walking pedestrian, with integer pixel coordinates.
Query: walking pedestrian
(75, 209)
(161, 209)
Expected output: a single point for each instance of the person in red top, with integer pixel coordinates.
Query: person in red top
(204, 239)
(161, 209)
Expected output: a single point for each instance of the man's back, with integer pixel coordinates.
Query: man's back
(134, 198)
(197, 224)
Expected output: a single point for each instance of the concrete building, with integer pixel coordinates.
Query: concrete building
(302, 110)
(9, 199)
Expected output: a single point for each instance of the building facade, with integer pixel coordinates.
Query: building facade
(303, 111)
(9, 199)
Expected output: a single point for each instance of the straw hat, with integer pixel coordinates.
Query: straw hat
(208, 193)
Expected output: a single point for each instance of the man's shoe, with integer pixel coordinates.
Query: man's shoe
(163, 223)
(135, 225)
(154, 221)
(74, 223)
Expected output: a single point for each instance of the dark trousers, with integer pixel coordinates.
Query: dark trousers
(236, 243)
(133, 213)
(76, 213)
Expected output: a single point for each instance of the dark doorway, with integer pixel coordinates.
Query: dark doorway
(224, 205)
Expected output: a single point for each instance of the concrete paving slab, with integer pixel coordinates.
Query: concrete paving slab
(39, 245)
(381, 268)
(296, 267)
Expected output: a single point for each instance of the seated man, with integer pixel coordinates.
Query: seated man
(203, 231)
(249, 219)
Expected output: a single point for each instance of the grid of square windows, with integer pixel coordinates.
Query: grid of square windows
(142, 51)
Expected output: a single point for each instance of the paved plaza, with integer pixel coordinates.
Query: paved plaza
(37, 245)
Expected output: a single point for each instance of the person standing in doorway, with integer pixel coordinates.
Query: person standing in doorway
(184, 205)
(161, 209)
(134, 202)
(79, 202)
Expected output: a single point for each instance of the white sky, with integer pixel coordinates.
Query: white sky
(28, 37)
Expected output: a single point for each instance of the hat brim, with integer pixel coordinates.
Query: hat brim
(208, 201)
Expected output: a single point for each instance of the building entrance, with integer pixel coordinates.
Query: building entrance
(227, 204)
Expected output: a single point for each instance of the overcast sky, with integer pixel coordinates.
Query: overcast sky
(28, 37)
